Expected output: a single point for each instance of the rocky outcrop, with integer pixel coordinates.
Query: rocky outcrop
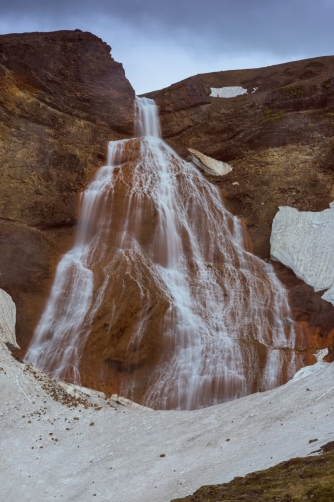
(7, 320)
(278, 137)
(62, 97)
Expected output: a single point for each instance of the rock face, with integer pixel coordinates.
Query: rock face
(62, 97)
(7, 320)
(279, 140)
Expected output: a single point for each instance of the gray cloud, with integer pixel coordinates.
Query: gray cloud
(195, 34)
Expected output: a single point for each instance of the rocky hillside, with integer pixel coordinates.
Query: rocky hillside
(278, 137)
(296, 480)
(62, 98)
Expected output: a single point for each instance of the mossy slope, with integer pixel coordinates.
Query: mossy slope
(297, 480)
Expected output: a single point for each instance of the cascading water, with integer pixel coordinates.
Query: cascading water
(159, 262)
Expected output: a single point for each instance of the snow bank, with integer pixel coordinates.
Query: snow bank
(304, 242)
(79, 392)
(229, 92)
(309, 370)
(104, 449)
(208, 164)
(7, 320)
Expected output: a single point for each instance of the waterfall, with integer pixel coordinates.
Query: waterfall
(159, 272)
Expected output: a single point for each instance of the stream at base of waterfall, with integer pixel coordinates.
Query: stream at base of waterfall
(159, 297)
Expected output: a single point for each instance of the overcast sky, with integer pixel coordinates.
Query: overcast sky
(161, 42)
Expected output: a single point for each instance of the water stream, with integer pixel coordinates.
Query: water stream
(227, 328)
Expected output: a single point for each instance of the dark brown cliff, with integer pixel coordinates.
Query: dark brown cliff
(280, 143)
(62, 98)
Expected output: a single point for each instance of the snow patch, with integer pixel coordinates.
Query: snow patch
(68, 452)
(7, 320)
(229, 92)
(304, 242)
(208, 164)
(127, 402)
(309, 370)
(79, 391)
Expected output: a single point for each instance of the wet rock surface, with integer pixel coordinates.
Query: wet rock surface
(279, 141)
(62, 98)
